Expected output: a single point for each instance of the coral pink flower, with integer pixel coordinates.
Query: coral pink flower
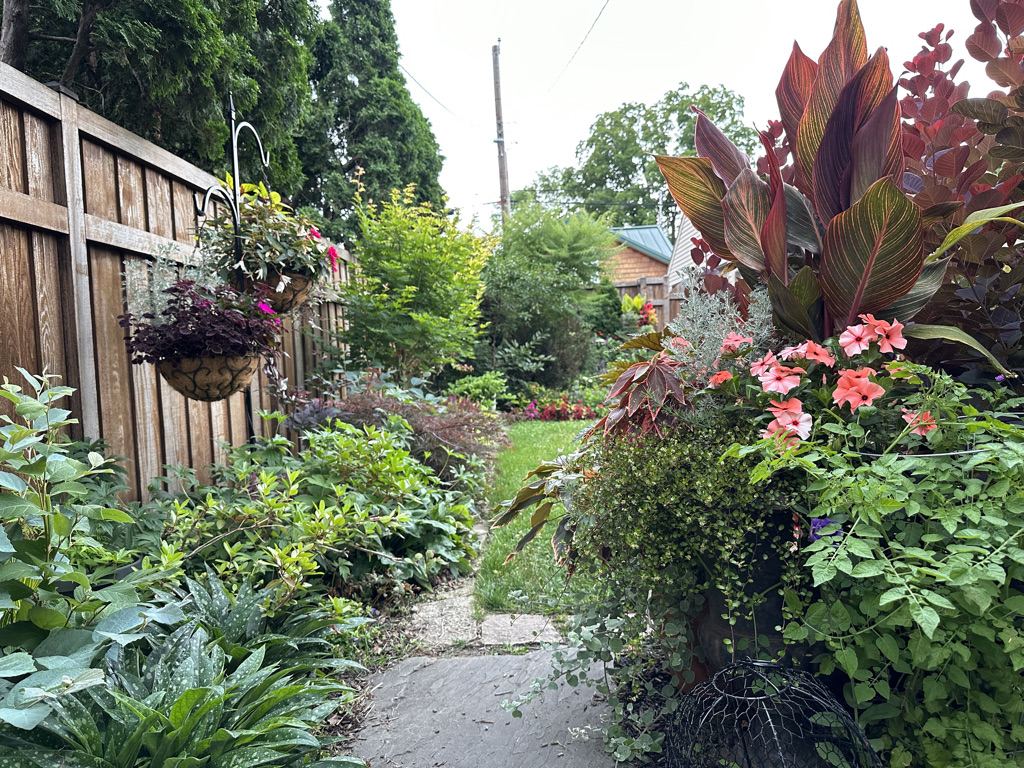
(809, 351)
(860, 373)
(799, 423)
(784, 433)
(678, 344)
(890, 335)
(797, 351)
(922, 422)
(719, 378)
(856, 338)
(780, 379)
(791, 406)
(732, 342)
(764, 364)
(332, 256)
(856, 391)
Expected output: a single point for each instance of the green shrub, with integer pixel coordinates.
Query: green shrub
(484, 389)
(354, 511)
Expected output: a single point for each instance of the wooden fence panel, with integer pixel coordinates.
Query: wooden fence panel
(656, 289)
(79, 199)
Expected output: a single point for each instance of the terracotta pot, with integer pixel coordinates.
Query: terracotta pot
(209, 378)
(294, 293)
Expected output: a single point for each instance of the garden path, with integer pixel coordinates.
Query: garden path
(434, 711)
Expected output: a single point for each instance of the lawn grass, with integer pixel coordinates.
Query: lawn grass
(533, 572)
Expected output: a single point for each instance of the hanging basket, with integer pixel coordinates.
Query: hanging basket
(209, 378)
(294, 293)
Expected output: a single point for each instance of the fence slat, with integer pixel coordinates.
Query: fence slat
(18, 339)
(45, 267)
(12, 156)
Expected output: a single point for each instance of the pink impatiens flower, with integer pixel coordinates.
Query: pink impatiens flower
(314, 233)
(679, 344)
(856, 338)
(719, 378)
(332, 256)
(266, 308)
(922, 422)
(780, 379)
(856, 389)
(764, 364)
(732, 342)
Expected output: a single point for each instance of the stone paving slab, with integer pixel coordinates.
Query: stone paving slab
(447, 621)
(434, 713)
(521, 629)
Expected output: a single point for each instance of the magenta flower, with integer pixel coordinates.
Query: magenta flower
(266, 308)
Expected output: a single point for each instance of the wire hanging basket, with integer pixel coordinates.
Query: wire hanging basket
(758, 714)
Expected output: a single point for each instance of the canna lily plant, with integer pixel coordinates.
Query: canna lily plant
(832, 233)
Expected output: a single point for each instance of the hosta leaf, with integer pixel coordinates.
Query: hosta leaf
(745, 208)
(698, 192)
(726, 159)
(872, 254)
(858, 100)
(844, 56)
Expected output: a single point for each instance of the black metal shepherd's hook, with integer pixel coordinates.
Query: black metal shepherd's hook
(233, 201)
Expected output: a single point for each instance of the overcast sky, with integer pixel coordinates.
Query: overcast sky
(638, 50)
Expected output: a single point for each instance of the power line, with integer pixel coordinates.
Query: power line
(578, 48)
(428, 92)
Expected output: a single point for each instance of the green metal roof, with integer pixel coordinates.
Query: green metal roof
(648, 239)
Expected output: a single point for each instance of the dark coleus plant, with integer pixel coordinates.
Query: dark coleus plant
(834, 233)
(202, 321)
(970, 153)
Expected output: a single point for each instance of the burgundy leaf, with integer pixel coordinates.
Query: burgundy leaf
(725, 157)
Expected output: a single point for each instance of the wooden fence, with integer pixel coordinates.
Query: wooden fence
(80, 199)
(658, 291)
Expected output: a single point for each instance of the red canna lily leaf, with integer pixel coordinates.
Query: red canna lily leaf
(876, 152)
(872, 254)
(699, 192)
(746, 206)
(843, 57)
(857, 101)
(773, 232)
(792, 93)
(726, 158)
(904, 308)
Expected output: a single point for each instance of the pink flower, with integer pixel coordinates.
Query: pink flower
(314, 233)
(856, 390)
(332, 256)
(780, 379)
(890, 335)
(678, 344)
(764, 364)
(719, 378)
(266, 308)
(856, 338)
(860, 373)
(797, 351)
(782, 432)
(732, 342)
(922, 422)
(791, 406)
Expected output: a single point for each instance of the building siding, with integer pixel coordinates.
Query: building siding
(631, 264)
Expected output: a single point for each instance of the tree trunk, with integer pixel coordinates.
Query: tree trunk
(82, 40)
(14, 33)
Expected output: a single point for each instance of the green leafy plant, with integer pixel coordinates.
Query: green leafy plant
(180, 705)
(413, 301)
(484, 389)
(276, 241)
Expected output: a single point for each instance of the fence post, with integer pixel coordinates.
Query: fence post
(72, 149)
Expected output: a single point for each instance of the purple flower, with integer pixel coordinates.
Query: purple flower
(819, 523)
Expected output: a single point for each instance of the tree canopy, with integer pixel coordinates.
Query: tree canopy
(616, 174)
(325, 95)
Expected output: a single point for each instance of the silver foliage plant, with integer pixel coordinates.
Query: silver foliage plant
(704, 320)
(144, 281)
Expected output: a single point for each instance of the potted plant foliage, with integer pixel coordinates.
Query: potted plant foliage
(207, 341)
(281, 250)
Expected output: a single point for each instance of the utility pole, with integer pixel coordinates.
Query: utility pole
(500, 141)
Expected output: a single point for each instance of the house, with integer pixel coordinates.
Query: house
(646, 253)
